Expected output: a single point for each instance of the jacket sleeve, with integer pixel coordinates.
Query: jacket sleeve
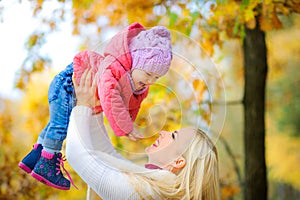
(135, 112)
(86, 60)
(113, 105)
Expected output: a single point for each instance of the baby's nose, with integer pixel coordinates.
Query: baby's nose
(150, 81)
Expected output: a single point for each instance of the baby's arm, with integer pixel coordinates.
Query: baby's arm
(111, 100)
(135, 112)
(86, 60)
(135, 134)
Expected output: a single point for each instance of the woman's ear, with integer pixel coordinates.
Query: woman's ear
(179, 163)
(176, 166)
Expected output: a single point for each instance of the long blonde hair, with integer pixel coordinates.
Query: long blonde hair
(199, 179)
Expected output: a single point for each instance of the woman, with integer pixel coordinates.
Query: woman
(181, 165)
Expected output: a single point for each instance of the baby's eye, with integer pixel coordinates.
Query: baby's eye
(173, 136)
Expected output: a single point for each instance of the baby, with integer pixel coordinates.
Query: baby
(132, 61)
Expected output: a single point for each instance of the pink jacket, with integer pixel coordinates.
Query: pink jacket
(118, 102)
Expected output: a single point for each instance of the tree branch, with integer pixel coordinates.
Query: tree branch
(232, 157)
(234, 102)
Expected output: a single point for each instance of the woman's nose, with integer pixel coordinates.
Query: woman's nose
(162, 133)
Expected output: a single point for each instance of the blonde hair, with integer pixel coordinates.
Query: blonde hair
(199, 179)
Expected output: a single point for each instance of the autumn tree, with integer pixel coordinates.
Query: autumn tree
(210, 23)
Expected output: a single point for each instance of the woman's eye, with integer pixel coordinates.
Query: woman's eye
(148, 74)
(173, 136)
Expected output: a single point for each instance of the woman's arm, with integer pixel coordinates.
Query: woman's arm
(99, 137)
(106, 181)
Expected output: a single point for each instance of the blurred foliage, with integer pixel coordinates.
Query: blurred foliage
(210, 23)
(20, 124)
(284, 78)
(283, 94)
(289, 152)
(14, 184)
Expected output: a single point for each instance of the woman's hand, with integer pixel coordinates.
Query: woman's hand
(86, 90)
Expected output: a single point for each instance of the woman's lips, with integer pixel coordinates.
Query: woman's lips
(156, 143)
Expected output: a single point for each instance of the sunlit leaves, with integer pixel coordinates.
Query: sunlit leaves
(229, 191)
(32, 41)
(289, 153)
(231, 15)
(14, 183)
(199, 87)
(214, 21)
(268, 18)
(34, 106)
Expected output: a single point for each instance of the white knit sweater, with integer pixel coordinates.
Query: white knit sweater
(86, 141)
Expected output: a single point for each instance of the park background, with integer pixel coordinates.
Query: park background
(220, 30)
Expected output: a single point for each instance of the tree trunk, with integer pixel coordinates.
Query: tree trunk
(254, 104)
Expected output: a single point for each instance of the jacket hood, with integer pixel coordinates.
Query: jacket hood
(118, 45)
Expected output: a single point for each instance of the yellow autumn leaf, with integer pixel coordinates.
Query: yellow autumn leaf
(282, 9)
(249, 15)
(275, 20)
(251, 24)
(253, 4)
(265, 24)
(267, 2)
(229, 191)
(289, 152)
(208, 47)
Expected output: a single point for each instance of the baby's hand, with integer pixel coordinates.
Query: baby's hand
(135, 135)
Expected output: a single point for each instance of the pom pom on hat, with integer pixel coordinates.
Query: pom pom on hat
(151, 50)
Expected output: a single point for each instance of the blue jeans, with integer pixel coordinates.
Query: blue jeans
(61, 98)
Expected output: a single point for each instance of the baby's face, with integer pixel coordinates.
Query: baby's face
(143, 78)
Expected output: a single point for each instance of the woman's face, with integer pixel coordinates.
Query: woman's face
(169, 146)
(143, 78)
(165, 138)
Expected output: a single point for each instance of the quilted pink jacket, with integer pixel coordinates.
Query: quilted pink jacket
(118, 102)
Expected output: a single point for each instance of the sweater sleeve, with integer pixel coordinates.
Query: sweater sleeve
(106, 181)
(113, 104)
(99, 137)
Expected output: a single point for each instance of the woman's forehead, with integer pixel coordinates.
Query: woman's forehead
(187, 130)
(186, 133)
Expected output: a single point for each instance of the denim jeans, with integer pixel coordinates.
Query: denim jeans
(61, 98)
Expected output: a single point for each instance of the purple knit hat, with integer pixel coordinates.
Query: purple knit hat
(151, 50)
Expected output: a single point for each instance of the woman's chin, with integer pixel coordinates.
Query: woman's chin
(151, 149)
(147, 150)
